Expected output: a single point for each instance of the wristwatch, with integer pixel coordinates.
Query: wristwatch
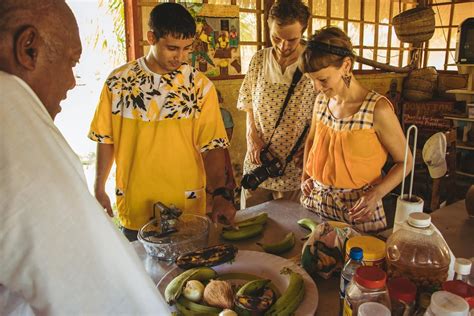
(226, 193)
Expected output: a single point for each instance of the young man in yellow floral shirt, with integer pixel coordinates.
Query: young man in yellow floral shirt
(159, 118)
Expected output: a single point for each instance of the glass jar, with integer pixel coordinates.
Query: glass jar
(417, 251)
(402, 296)
(367, 285)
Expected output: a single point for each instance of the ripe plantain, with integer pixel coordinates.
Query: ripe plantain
(281, 246)
(210, 256)
(256, 303)
(175, 287)
(242, 233)
(255, 296)
(291, 298)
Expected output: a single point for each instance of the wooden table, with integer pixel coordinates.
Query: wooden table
(452, 221)
(457, 228)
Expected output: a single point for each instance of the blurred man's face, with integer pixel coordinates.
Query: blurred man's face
(169, 53)
(285, 38)
(56, 61)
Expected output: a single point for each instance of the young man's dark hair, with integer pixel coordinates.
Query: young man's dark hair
(171, 19)
(287, 12)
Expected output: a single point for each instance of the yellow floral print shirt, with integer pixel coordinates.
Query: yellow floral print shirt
(159, 125)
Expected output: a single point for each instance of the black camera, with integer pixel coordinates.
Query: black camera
(271, 168)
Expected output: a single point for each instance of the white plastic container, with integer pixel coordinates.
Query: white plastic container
(462, 269)
(407, 203)
(373, 309)
(406, 206)
(447, 304)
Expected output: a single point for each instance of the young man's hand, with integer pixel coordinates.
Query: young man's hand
(223, 211)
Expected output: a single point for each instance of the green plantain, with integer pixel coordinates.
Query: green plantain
(292, 306)
(175, 287)
(308, 223)
(198, 309)
(242, 233)
(291, 298)
(184, 311)
(281, 246)
(258, 219)
(253, 287)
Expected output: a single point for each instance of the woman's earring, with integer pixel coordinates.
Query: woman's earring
(347, 80)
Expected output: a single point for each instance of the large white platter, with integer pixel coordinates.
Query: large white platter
(263, 265)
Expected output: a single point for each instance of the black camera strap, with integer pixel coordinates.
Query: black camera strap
(295, 147)
(296, 78)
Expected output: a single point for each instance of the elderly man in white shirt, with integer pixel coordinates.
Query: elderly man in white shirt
(59, 252)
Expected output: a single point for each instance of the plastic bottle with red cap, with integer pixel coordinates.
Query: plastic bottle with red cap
(402, 296)
(367, 285)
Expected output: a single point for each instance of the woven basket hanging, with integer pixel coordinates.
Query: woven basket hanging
(415, 25)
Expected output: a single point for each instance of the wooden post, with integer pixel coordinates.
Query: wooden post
(267, 4)
(133, 30)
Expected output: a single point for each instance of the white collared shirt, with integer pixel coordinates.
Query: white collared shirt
(60, 254)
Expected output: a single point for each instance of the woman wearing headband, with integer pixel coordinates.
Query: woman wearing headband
(352, 131)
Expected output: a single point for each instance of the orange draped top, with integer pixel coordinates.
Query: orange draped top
(346, 153)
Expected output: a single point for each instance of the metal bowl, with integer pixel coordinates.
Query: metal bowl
(192, 233)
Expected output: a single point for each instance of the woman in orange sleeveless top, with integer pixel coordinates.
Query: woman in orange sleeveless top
(352, 132)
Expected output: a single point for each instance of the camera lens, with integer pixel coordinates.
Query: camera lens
(254, 178)
(271, 168)
(249, 181)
